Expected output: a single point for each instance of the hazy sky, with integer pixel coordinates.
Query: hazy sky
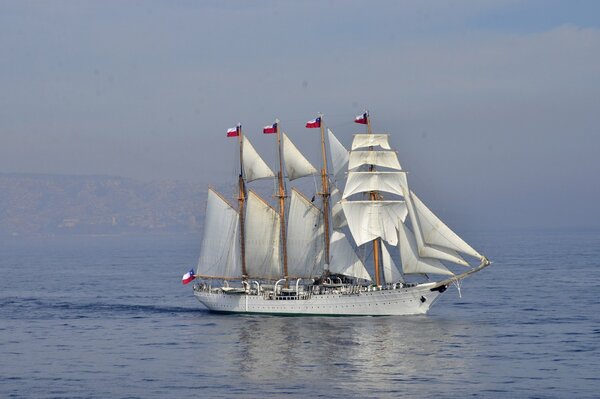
(494, 106)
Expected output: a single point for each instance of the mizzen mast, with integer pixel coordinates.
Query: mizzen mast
(282, 196)
(241, 203)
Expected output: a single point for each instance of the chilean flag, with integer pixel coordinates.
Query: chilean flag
(234, 131)
(270, 129)
(189, 276)
(362, 119)
(314, 123)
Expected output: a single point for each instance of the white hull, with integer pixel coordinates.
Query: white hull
(399, 301)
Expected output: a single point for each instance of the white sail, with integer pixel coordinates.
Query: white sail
(338, 219)
(424, 249)
(343, 259)
(339, 154)
(369, 220)
(386, 159)
(220, 256)
(254, 166)
(441, 253)
(435, 232)
(305, 242)
(296, 165)
(360, 182)
(390, 270)
(412, 263)
(370, 140)
(262, 236)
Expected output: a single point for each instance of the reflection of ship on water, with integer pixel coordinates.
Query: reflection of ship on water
(345, 353)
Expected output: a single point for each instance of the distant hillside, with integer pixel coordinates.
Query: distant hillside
(38, 204)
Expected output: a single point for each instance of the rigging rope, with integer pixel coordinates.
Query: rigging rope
(458, 284)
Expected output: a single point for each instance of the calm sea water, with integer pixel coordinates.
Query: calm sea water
(107, 317)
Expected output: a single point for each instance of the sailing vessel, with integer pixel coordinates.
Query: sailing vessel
(315, 258)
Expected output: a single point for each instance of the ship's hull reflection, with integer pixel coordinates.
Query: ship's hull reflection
(355, 354)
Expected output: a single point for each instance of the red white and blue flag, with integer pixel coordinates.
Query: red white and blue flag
(314, 123)
(362, 119)
(189, 276)
(270, 129)
(234, 131)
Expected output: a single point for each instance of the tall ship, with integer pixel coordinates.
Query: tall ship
(335, 254)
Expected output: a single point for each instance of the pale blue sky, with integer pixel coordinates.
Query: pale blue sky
(494, 106)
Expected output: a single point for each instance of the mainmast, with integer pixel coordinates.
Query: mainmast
(241, 201)
(325, 194)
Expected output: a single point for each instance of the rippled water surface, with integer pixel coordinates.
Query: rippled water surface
(107, 317)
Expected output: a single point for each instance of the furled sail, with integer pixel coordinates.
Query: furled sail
(296, 165)
(220, 256)
(343, 259)
(386, 159)
(262, 239)
(435, 232)
(339, 154)
(254, 166)
(305, 243)
(390, 270)
(412, 263)
(369, 220)
(360, 182)
(370, 140)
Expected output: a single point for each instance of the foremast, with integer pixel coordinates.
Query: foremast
(373, 219)
(373, 196)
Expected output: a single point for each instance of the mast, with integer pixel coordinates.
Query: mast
(325, 192)
(368, 117)
(281, 195)
(374, 196)
(241, 201)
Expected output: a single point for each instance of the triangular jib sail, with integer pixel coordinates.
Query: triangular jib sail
(412, 263)
(424, 249)
(435, 232)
